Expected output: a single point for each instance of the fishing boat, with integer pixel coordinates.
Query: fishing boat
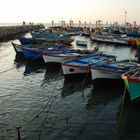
(18, 47)
(112, 70)
(37, 52)
(85, 31)
(132, 82)
(57, 40)
(138, 43)
(59, 56)
(81, 66)
(121, 39)
(24, 40)
(37, 47)
(52, 37)
(81, 43)
(110, 38)
(102, 38)
(62, 55)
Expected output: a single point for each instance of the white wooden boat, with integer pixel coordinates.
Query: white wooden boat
(121, 39)
(112, 70)
(113, 38)
(60, 56)
(102, 38)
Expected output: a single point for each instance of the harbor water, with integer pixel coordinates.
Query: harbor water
(37, 104)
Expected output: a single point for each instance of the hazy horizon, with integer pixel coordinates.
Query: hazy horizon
(44, 11)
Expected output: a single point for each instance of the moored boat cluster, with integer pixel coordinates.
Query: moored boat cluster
(55, 47)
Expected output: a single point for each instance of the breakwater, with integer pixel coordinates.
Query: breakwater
(10, 32)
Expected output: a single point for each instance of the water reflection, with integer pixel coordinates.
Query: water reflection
(33, 68)
(19, 61)
(71, 87)
(105, 91)
(53, 73)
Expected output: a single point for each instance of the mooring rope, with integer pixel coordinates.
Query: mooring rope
(122, 111)
(49, 107)
(50, 97)
(7, 70)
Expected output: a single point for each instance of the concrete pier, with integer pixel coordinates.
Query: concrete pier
(10, 32)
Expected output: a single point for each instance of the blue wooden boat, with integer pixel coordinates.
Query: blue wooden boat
(31, 53)
(37, 52)
(52, 37)
(81, 66)
(133, 33)
(18, 47)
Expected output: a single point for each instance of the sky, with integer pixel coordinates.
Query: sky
(44, 11)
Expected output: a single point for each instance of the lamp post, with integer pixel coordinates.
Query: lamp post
(125, 18)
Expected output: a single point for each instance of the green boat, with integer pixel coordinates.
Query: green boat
(138, 43)
(132, 83)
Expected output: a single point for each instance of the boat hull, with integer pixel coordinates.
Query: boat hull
(17, 48)
(31, 54)
(104, 74)
(71, 70)
(57, 58)
(133, 87)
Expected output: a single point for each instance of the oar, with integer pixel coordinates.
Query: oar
(103, 60)
(135, 73)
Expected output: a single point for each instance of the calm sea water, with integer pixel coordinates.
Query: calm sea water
(36, 98)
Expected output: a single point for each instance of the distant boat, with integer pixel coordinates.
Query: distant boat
(51, 37)
(85, 31)
(36, 40)
(110, 38)
(133, 33)
(132, 83)
(121, 39)
(61, 40)
(102, 38)
(81, 43)
(112, 70)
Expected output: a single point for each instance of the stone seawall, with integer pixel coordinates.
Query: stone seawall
(10, 32)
